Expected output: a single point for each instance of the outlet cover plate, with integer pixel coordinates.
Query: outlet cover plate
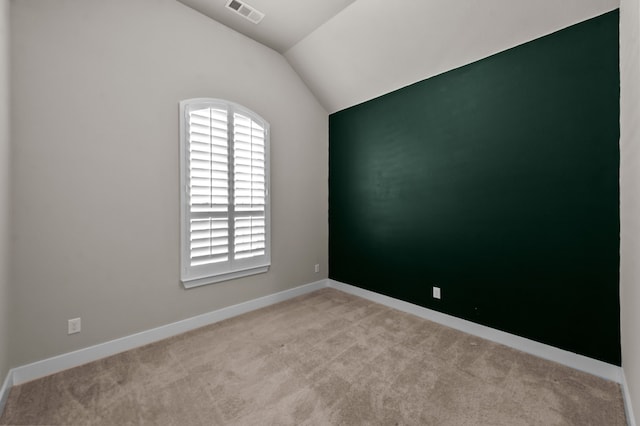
(73, 326)
(436, 292)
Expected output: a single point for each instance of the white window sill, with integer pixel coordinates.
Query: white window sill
(197, 282)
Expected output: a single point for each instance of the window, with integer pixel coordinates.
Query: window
(224, 162)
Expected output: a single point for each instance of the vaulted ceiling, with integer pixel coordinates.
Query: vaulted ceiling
(285, 22)
(350, 51)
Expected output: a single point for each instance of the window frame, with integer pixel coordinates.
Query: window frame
(194, 276)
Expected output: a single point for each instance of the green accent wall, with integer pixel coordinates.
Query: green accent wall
(498, 183)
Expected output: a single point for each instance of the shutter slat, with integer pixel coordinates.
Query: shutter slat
(210, 192)
(216, 168)
(250, 239)
(207, 208)
(246, 255)
(208, 200)
(249, 170)
(210, 259)
(245, 147)
(215, 113)
(199, 234)
(249, 201)
(208, 174)
(208, 164)
(210, 251)
(248, 177)
(211, 232)
(207, 157)
(196, 244)
(207, 123)
(250, 209)
(250, 185)
(203, 247)
(249, 193)
(249, 246)
(209, 182)
(208, 132)
(213, 249)
(247, 125)
(213, 253)
(249, 146)
(255, 230)
(248, 162)
(208, 147)
(208, 140)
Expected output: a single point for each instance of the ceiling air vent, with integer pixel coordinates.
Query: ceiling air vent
(246, 11)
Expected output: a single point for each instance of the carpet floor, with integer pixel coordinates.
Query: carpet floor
(326, 358)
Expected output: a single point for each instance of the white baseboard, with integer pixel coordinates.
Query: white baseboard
(62, 362)
(58, 363)
(570, 359)
(628, 406)
(4, 390)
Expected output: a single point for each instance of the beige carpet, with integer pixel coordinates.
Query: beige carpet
(326, 358)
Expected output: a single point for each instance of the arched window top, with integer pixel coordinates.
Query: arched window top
(196, 103)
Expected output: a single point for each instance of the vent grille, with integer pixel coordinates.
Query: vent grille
(246, 11)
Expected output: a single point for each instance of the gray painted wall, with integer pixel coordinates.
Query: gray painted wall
(630, 195)
(96, 87)
(4, 189)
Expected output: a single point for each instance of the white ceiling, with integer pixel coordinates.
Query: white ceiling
(286, 22)
(350, 51)
(376, 46)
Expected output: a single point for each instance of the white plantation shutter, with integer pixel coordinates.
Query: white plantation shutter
(249, 197)
(208, 186)
(224, 211)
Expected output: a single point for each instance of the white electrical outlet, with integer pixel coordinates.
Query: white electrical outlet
(317, 267)
(73, 326)
(436, 292)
